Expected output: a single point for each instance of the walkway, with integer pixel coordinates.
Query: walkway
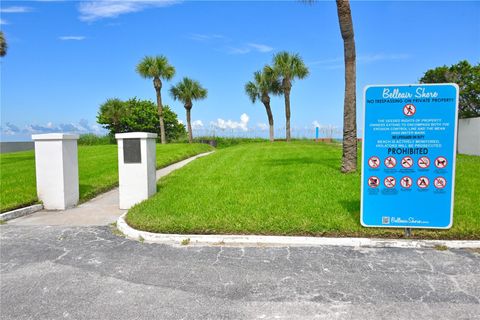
(99, 211)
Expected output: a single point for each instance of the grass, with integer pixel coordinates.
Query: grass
(284, 189)
(98, 171)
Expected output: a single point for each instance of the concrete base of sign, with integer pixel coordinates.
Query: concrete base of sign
(136, 172)
(56, 165)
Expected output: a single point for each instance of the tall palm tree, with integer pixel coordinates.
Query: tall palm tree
(186, 91)
(264, 83)
(3, 44)
(288, 67)
(157, 68)
(349, 158)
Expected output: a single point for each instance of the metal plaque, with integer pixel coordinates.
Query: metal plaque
(131, 151)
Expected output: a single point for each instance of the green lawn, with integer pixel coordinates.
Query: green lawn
(283, 189)
(97, 171)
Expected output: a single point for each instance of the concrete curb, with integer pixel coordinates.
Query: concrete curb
(9, 215)
(253, 240)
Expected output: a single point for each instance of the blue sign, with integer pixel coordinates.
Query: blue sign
(408, 156)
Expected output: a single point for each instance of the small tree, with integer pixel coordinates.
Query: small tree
(157, 68)
(138, 115)
(468, 79)
(264, 82)
(186, 91)
(111, 115)
(288, 67)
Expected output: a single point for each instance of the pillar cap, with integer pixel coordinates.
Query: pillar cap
(132, 135)
(55, 136)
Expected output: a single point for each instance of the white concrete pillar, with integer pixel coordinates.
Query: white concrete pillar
(56, 165)
(136, 167)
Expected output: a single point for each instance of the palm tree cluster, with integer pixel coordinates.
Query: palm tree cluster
(277, 79)
(187, 90)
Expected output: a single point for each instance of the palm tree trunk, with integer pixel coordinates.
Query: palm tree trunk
(189, 125)
(158, 87)
(287, 112)
(270, 120)
(349, 158)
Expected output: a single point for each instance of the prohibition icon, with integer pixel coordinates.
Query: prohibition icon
(406, 182)
(440, 182)
(441, 162)
(423, 182)
(424, 162)
(373, 182)
(389, 182)
(409, 110)
(374, 162)
(390, 162)
(407, 162)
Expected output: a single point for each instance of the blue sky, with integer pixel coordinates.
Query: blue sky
(67, 57)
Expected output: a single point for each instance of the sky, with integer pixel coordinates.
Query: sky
(65, 58)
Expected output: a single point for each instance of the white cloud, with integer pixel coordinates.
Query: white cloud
(230, 124)
(3, 21)
(262, 126)
(197, 124)
(260, 47)
(95, 10)
(206, 37)
(15, 9)
(76, 38)
(337, 63)
(80, 127)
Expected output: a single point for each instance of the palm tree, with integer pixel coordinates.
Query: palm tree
(3, 45)
(264, 83)
(288, 67)
(186, 91)
(349, 157)
(157, 68)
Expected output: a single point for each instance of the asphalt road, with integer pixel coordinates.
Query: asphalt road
(90, 273)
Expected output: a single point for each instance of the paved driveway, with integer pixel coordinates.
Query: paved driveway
(90, 273)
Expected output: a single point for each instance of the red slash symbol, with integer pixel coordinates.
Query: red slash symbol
(374, 162)
(441, 162)
(390, 162)
(373, 182)
(406, 182)
(409, 110)
(440, 182)
(423, 182)
(389, 182)
(407, 162)
(424, 162)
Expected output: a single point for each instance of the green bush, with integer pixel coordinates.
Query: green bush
(132, 115)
